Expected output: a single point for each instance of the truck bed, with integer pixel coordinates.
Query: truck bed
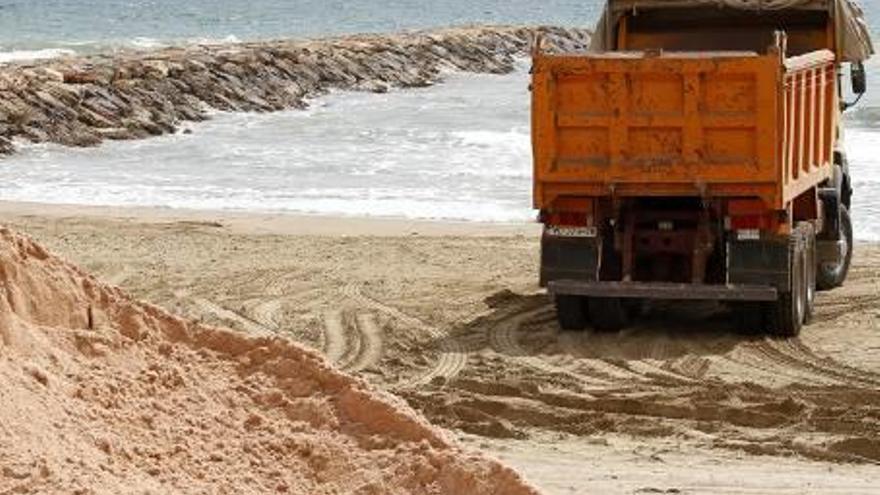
(711, 124)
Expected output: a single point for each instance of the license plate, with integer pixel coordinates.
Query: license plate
(748, 235)
(571, 231)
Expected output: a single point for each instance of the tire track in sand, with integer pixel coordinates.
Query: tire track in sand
(335, 341)
(503, 340)
(608, 372)
(600, 371)
(453, 356)
(249, 325)
(857, 374)
(269, 313)
(370, 348)
(794, 354)
(352, 346)
(654, 366)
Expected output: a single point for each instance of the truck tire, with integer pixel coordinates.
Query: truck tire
(830, 275)
(749, 317)
(608, 314)
(785, 317)
(571, 312)
(810, 267)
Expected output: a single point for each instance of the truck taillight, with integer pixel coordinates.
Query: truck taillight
(750, 215)
(749, 222)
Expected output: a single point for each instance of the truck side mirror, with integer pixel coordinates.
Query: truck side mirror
(859, 80)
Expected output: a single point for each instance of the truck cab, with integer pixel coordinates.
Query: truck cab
(694, 153)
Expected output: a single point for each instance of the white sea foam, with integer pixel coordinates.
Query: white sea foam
(214, 41)
(85, 47)
(455, 151)
(22, 55)
(863, 150)
(145, 43)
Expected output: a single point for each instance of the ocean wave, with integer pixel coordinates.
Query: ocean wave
(145, 43)
(514, 139)
(863, 116)
(59, 49)
(39, 54)
(229, 39)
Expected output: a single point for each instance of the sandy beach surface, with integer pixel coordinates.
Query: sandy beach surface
(106, 394)
(449, 317)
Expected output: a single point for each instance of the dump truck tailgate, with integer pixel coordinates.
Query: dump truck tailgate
(642, 125)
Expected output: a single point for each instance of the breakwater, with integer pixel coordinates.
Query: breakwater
(81, 101)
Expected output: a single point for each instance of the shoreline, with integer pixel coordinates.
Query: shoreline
(282, 223)
(83, 101)
(285, 223)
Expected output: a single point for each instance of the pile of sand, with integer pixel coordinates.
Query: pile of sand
(103, 394)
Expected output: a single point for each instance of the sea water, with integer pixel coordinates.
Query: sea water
(459, 150)
(101, 25)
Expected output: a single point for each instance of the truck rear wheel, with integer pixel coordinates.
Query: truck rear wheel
(608, 314)
(571, 312)
(749, 317)
(832, 274)
(811, 268)
(785, 317)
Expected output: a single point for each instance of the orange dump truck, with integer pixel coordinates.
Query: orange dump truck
(695, 153)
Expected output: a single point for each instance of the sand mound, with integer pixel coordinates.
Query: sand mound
(103, 394)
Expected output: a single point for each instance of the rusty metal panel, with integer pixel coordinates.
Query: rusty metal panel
(631, 123)
(808, 123)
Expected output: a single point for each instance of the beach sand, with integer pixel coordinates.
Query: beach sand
(104, 394)
(449, 317)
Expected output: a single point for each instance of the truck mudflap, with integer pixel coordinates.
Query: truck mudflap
(664, 290)
(568, 257)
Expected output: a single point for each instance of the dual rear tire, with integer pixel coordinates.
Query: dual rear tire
(605, 314)
(572, 312)
(786, 316)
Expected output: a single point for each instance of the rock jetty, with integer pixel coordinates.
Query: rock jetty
(81, 101)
